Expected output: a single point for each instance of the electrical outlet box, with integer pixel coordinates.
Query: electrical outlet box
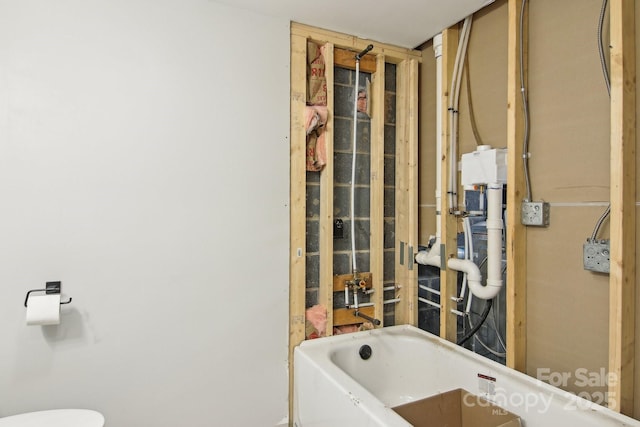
(595, 255)
(535, 213)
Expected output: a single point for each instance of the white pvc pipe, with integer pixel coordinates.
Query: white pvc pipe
(454, 96)
(437, 47)
(494, 251)
(494, 238)
(474, 277)
(432, 257)
(426, 301)
(346, 296)
(428, 289)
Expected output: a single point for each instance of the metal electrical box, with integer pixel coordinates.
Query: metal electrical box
(595, 254)
(535, 213)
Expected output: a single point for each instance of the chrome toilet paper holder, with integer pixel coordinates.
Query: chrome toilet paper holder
(51, 288)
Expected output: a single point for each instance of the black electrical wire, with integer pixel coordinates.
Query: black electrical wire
(483, 317)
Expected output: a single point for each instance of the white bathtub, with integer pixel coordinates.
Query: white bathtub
(334, 386)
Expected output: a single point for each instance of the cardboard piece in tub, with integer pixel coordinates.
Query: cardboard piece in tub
(456, 408)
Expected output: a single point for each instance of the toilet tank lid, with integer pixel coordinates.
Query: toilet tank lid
(55, 418)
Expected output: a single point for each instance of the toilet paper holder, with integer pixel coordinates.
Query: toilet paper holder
(51, 288)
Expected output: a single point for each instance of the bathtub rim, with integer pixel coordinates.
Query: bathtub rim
(318, 348)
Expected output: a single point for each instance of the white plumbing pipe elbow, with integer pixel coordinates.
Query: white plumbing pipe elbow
(468, 267)
(490, 291)
(474, 278)
(430, 257)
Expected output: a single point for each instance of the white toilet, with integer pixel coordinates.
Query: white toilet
(55, 418)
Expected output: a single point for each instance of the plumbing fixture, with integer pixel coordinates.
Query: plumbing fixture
(365, 352)
(486, 166)
(356, 284)
(432, 255)
(357, 313)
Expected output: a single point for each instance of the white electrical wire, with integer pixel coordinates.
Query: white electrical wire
(454, 97)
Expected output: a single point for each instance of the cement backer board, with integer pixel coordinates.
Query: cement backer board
(427, 145)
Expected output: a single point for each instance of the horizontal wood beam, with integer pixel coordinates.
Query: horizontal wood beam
(393, 54)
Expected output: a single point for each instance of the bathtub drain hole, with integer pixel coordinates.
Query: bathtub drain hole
(365, 352)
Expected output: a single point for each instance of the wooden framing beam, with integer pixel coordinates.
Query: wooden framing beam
(377, 187)
(393, 54)
(406, 191)
(516, 245)
(346, 59)
(623, 207)
(383, 53)
(325, 293)
(297, 208)
(345, 316)
(448, 222)
(412, 198)
(401, 194)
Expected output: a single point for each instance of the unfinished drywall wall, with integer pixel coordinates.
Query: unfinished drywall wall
(427, 146)
(567, 307)
(144, 162)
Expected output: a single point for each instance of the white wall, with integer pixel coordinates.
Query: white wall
(144, 163)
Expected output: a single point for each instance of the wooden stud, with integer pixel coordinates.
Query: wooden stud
(383, 53)
(325, 297)
(406, 190)
(622, 222)
(448, 222)
(347, 59)
(401, 194)
(393, 54)
(412, 189)
(377, 187)
(344, 316)
(297, 208)
(516, 245)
